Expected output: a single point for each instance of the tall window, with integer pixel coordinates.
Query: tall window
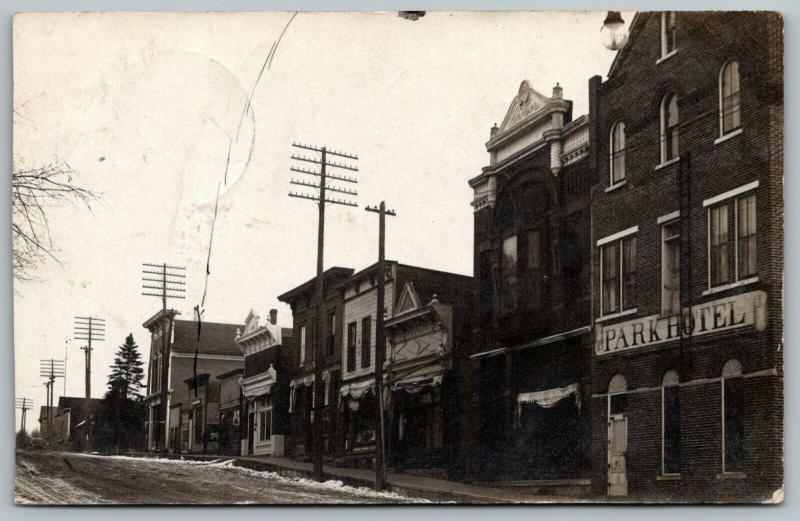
(533, 265)
(351, 346)
(366, 340)
(729, 98)
(265, 425)
(610, 269)
(669, 127)
(668, 32)
(670, 424)
(618, 274)
(302, 345)
(718, 246)
(509, 273)
(732, 417)
(617, 394)
(330, 340)
(629, 272)
(486, 286)
(670, 268)
(617, 152)
(746, 236)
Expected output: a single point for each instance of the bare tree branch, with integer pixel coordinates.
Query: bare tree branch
(33, 191)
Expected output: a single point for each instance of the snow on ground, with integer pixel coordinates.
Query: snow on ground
(229, 465)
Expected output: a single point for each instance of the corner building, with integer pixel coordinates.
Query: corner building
(687, 260)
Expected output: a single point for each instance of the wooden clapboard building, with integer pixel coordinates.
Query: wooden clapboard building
(529, 420)
(425, 313)
(302, 300)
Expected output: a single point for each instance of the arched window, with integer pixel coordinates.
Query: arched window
(732, 405)
(729, 99)
(668, 33)
(617, 397)
(669, 127)
(617, 152)
(670, 424)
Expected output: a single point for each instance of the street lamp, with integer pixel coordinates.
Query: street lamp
(613, 34)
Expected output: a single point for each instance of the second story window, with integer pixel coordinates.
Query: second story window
(351, 346)
(729, 98)
(669, 128)
(668, 33)
(618, 275)
(302, 343)
(330, 338)
(508, 273)
(670, 268)
(366, 341)
(746, 237)
(533, 265)
(617, 159)
(718, 244)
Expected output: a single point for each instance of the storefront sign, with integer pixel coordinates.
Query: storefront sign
(739, 311)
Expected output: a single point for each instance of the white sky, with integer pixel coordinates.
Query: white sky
(156, 94)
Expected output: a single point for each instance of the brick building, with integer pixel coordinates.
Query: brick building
(268, 370)
(231, 405)
(422, 350)
(528, 385)
(301, 387)
(216, 352)
(687, 259)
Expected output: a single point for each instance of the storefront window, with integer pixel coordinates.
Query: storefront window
(671, 424)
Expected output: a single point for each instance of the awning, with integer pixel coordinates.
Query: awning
(418, 378)
(549, 398)
(357, 390)
(259, 385)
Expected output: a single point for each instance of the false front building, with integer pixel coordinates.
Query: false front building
(532, 342)
(302, 300)
(687, 236)
(425, 312)
(195, 349)
(267, 349)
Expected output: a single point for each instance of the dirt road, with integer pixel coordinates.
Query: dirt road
(65, 478)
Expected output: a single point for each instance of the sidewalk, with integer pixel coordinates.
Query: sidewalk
(437, 490)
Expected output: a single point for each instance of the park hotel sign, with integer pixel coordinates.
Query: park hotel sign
(736, 312)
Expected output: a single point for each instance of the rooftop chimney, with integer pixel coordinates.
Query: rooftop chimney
(273, 316)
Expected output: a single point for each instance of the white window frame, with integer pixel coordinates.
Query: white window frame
(664, 124)
(664, 274)
(611, 153)
(664, 52)
(262, 410)
(737, 130)
(731, 196)
(618, 237)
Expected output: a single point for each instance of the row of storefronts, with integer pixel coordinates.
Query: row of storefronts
(622, 333)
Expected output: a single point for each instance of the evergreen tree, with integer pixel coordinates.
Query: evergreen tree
(127, 372)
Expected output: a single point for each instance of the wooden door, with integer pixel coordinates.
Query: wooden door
(617, 447)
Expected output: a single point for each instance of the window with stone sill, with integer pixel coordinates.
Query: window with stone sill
(668, 33)
(729, 98)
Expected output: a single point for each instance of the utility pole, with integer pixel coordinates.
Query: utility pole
(322, 162)
(89, 329)
(380, 345)
(50, 369)
(25, 405)
(164, 281)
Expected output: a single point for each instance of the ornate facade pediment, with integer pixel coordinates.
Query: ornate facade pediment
(526, 102)
(408, 301)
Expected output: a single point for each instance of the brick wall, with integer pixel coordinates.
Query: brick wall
(633, 94)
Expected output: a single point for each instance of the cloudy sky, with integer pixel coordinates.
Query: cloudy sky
(143, 108)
